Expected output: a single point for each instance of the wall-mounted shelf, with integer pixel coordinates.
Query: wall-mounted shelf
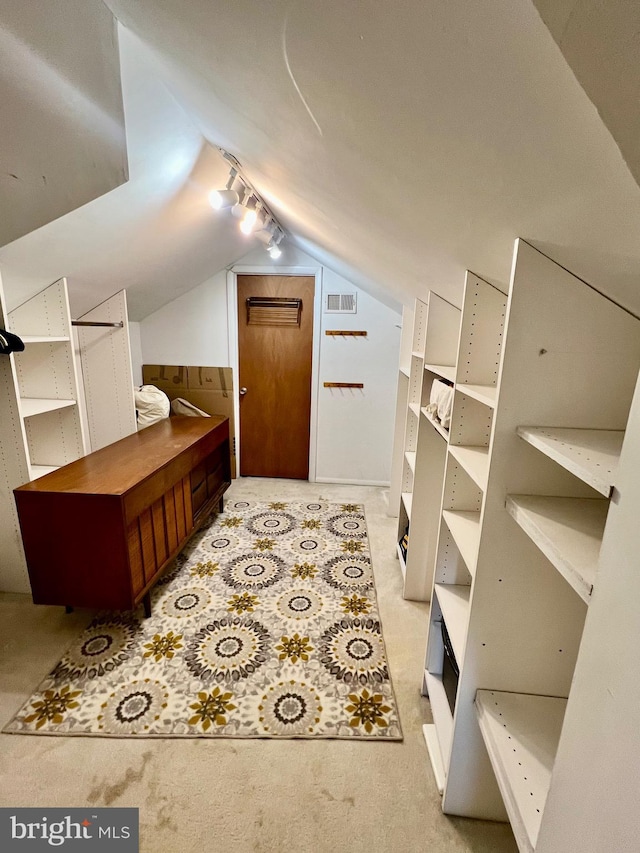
(454, 604)
(568, 531)
(343, 385)
(32, 406)
(447, 371)
(435, 424)
(465, 529)
(590, 454)
(483, 393)
(428, 346)
(521, 733)
(44, 339)
(474, 460)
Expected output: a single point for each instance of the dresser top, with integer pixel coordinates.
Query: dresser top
(119, 467)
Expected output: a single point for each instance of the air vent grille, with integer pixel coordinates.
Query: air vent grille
(341, 303)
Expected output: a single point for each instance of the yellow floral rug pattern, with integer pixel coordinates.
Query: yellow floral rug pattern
(266, 625)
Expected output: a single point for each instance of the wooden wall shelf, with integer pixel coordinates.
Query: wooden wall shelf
(344, 384)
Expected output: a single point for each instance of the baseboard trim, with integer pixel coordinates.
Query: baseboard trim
(381, 483)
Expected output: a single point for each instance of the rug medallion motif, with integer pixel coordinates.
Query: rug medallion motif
(266, 625)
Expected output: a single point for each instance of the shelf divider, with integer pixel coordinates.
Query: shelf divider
(465, 529)
(454, 604)
(40, 470)
(521, 733)
(442, 716)
(433, 748)
(43, 339)
(434, 423)
(410, 456)
(590, 454)
(474, 460)
(568, 531)
(486, 394)
(34, 406)
(447, 371)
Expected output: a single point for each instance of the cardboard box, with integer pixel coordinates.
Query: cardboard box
(208, 388)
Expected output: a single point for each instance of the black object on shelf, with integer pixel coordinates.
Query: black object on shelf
(404, 544)
(450, 669)
(10, 343)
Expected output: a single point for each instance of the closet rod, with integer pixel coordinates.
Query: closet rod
(117, 325)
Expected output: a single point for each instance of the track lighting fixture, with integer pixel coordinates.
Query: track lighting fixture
(222, 199)
(239, 209)
(273, 248)
(245, 204)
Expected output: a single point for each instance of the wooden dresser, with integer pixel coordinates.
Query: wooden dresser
(98, 532)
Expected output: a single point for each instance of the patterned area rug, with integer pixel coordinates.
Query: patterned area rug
(266, 625)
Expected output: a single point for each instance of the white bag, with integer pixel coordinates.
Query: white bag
(152, 405)
(179, 406)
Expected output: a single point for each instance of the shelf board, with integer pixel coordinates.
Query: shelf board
(448, 371)
(417, 354)
(32, 406)
(40, 470)
(465, 529)
(433, 747)
(454, 604)
(403, 565)
(568, 531)
(486, 394)
(43, 339)
(434, 423)
(407, 498)
(521, 733)
(415, 408)
(404, 369)
(474, 460)
(590, 454)
(410, 456)
(442, 716)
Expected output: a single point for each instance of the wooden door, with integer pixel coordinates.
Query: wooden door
(275, 354)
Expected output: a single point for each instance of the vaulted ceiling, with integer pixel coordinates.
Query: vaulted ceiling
(398, 143)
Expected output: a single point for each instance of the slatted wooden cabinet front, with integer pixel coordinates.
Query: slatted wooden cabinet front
(99, 532)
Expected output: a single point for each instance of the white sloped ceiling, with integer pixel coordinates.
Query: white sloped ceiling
(398, 143)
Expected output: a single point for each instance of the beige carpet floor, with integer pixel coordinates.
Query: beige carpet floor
(254, 795)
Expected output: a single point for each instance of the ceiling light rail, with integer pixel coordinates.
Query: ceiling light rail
(245, 204)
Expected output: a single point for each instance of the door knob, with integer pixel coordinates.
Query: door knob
(243, 391)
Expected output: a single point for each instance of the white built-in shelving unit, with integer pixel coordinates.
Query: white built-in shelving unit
(40, 426)
(42, 417)
(106, 371)
(463, 496)
(47, 380)
(428, 352)
(537, 511)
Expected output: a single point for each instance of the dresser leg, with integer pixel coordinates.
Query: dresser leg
(221, 504)
(146, 601)
(68, 608)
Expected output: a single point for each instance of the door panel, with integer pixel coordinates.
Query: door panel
(275, 368)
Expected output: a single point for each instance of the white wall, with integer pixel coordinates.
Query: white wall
(63, 137)
(354, 428)
(190, 330)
